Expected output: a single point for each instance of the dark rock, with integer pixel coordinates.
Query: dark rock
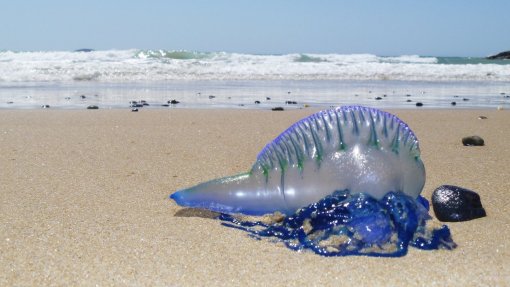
(454, 103)
(92, 107)
(173, 102)
(473, 141)
(85, 50)
(482, 117)
(501, 56)
(453, 203)
(378, 98)
(419, 104)
(277, 109)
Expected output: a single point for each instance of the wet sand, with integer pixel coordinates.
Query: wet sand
(84, 201)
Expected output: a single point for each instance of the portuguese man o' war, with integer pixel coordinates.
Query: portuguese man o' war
(348, 148)
(347, 179)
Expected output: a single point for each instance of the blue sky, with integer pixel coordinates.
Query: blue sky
(396, 27)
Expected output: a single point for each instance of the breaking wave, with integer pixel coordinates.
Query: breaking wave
(161, 65)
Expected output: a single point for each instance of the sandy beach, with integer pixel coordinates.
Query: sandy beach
(84, 201)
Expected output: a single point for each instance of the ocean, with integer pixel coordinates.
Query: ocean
(116, 78)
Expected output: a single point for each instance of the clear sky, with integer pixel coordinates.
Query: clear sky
(392, 27)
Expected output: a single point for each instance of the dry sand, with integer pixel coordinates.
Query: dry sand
(84, 201)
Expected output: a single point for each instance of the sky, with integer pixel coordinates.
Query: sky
(381, 27)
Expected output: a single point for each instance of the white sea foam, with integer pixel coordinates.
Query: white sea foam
(118, 66)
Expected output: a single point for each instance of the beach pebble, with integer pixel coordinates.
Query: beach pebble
(419, 104)
(482, 117)
(473, 141)
(453, 203)
(92, 107)
(277, 109)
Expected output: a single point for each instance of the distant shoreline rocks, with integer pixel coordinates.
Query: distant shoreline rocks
(84, 50)
(501, 56)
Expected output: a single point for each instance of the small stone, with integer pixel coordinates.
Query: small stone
(92, 107)
(482, 117)
(452, 203)
(419, 104)
(473, 141)
(277, 109)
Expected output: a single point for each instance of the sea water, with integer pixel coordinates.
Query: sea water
(111, 79)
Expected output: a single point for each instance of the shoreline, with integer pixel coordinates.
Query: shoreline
(84, 200)
(259, 94)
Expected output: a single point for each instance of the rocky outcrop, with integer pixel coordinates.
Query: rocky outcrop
(500, 56)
